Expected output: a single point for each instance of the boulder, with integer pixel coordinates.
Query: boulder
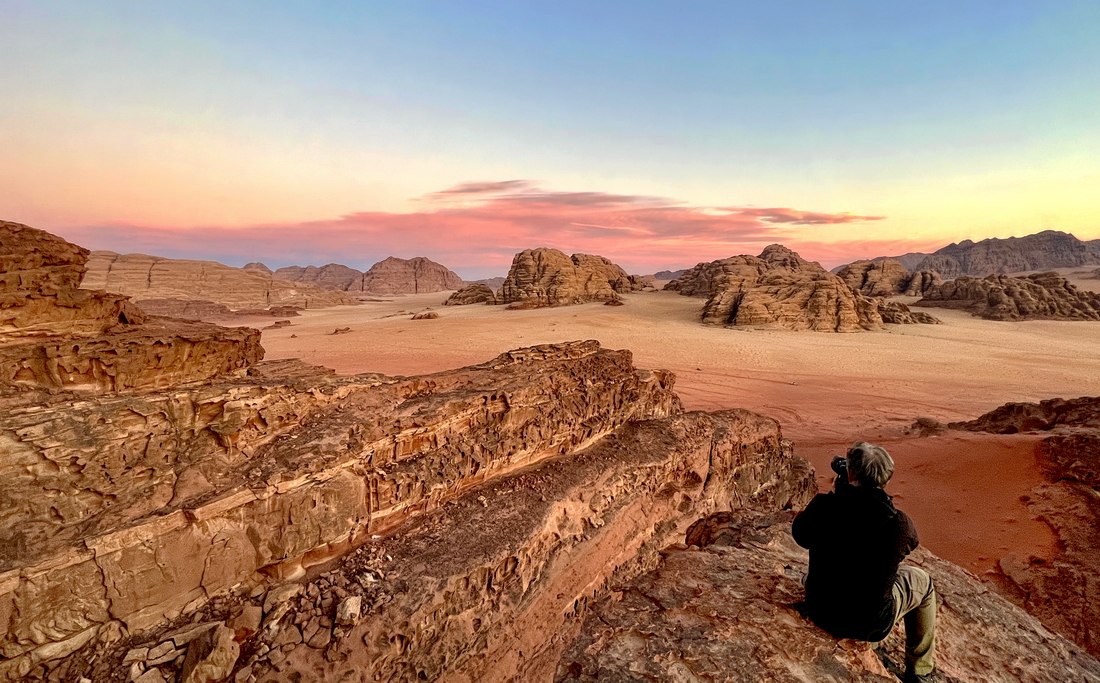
(547, 277)
(476, 293)
(425, 315)
(1045, 296)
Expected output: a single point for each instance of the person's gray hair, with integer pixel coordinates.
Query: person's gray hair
(870, 464)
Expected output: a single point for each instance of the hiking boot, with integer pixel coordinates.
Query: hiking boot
(913, 677)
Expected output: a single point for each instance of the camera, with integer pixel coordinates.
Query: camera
(839, 464)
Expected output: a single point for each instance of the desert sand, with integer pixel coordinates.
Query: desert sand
(827, 390)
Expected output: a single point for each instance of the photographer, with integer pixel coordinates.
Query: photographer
(857, 540)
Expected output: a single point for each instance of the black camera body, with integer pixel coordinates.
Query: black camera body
(839, 464)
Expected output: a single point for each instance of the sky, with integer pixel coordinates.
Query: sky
(657, 134)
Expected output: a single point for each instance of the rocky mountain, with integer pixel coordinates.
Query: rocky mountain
(1063, 592)
(1043, 250)
(257, 267)
(547, 277)
(1000, 297)
(669, 274)
(778, 288)
(151, 277)
(493, 283)
(389, 276)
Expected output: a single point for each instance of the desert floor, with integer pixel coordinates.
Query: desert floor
(827, 390)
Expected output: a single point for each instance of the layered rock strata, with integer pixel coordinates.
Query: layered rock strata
(778, 288)
(547, 277)
(125, 511)
(152, 277)
(493, 586)
(1046, 296)
(886, 277)
(472, 294)
(389, 276)
(724, 609)
(54, 336)
(897, 313)
(1062, 591)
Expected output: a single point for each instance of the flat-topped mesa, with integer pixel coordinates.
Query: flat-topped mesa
(153, 277)
(547, 277)
(128, 510)
(725, 608)
(777, 289)
(1040, 296)
(391, 275)
(54, 336)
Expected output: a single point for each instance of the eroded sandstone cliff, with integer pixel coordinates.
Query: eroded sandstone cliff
(151, 277)
(547, 277)
(778, 288)
(1000, 297)
(389, 276)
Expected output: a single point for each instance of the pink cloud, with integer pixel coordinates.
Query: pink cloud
(479, 235)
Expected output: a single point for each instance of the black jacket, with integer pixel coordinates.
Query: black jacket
(856, 538)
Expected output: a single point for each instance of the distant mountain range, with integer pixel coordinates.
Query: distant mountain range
(1041, 251)
(389, 276)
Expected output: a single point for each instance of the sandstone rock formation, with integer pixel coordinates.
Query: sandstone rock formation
(876, 278)
(151, 277)
(425, 315)
(54, 336)
(1000, 297)
(1043, 250)
(198, 309)
(897, 313)
(1063, 592)
(184, 494)
(777, 289)
(257, 267)
(472, 294)
(724, 609)
(922, 281)
(547, 277)
(389, 276)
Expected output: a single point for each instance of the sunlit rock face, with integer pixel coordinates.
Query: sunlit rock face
(392, 275)
(1041, 296)
(780, 289)
(885, 277)
(547, 277)
(476, 293)
(725, 608)
(144, 277)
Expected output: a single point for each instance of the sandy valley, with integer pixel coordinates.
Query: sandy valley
(827, 390)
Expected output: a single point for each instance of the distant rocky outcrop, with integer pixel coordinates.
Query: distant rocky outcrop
(1063, 591)
(1000, 297)
(547, 277)
(257, 267)
(669, 274)
(1041, 251)
(493, 283)
(921, 282)
(152, 277)
(778, 288)
(476, 293)
(390, 276)
(897, 313)
(724, 608)
(876, 278)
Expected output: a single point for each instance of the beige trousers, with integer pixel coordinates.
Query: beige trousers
(915, 601)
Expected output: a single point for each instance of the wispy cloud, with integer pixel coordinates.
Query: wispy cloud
(479, 234)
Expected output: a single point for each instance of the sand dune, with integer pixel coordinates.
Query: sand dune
(827, 390)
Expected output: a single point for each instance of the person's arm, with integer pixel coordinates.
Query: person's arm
(806, 527)
(907, 535)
